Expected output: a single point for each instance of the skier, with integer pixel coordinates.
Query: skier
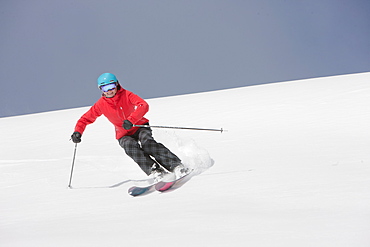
(124, 109)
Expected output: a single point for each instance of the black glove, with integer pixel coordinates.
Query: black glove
(127, 125)
(76, 137)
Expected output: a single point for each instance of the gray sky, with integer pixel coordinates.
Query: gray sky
(53, 51)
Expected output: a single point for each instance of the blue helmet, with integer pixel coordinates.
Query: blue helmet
(106, 78)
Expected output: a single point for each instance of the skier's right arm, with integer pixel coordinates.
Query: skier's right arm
(88, 118)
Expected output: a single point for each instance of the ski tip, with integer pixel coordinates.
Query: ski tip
(137, 191)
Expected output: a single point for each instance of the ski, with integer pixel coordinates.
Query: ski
(138, 190)
(160, 186)
(163, 186)
(141, 190)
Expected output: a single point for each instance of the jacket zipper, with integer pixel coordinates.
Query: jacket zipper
(123, 113)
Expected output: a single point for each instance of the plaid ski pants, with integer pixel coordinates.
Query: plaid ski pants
(146, 152)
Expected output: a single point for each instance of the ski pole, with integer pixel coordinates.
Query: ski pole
(73, 164)
(184, 128)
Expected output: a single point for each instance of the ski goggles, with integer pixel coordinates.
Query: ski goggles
(108, 87)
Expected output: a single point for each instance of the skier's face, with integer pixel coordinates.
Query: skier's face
(110, 93)
(109, 90)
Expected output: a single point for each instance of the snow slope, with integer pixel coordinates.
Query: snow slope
(292, 170)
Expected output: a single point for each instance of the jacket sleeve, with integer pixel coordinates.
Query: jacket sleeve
(89, 117)
(142, 108)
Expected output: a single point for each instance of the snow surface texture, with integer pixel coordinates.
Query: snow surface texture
(292, 170)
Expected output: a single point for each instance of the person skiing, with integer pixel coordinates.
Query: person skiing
(125, 109)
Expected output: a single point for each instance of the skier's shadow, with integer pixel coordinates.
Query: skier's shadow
(102, 187)
(143, 182)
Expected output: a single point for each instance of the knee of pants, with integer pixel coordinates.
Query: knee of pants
(145, 135)
(129, 144)
(150, 146)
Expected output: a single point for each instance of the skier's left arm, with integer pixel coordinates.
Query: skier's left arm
(141, 105)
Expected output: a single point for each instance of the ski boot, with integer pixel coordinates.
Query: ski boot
(180, 171)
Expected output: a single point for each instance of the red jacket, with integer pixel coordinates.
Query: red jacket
(124, 105)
